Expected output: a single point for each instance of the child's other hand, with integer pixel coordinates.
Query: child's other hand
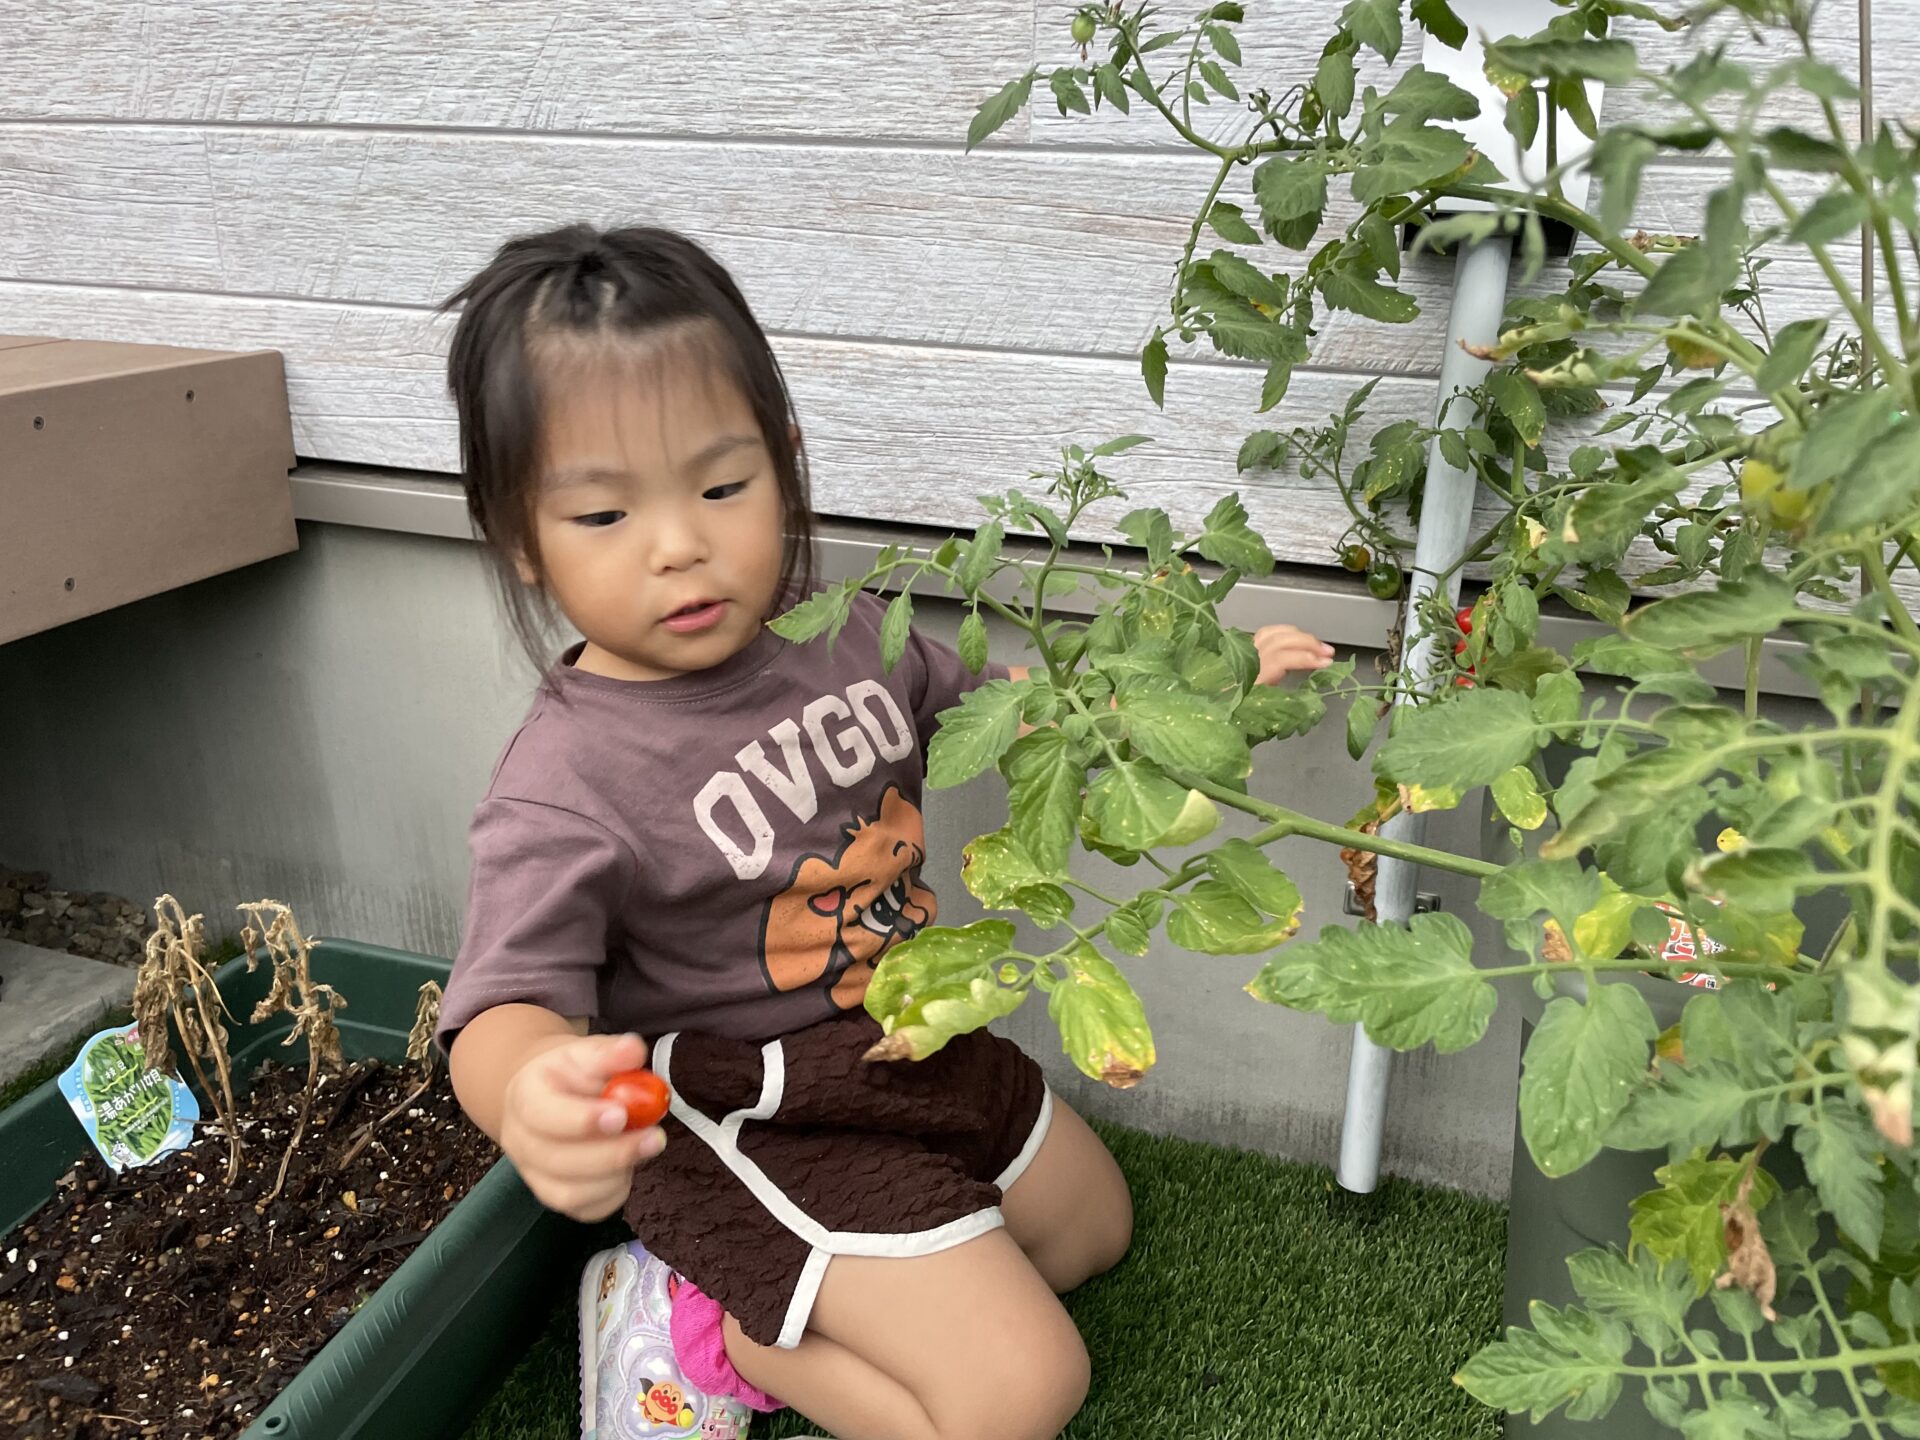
(1286, 648)
(570, 1146)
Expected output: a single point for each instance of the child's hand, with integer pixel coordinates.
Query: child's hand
(1286, 648)
(569, 1145)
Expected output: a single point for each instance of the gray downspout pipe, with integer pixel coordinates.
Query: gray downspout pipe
(1446, 517)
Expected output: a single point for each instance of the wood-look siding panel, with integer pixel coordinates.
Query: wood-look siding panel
(734, 67)
(1016, 250)
(1280, 44)
(1013, 249)
(895, 432)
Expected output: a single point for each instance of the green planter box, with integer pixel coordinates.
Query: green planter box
(424, 1353)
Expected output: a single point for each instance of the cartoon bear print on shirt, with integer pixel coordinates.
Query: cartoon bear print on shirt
(840, 914)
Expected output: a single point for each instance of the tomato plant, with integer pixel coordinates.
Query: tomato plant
(1674, 444)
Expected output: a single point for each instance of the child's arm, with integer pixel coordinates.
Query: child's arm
(1283, 649)
(532, 1079)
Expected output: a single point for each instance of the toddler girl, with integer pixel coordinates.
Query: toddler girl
(693, 852)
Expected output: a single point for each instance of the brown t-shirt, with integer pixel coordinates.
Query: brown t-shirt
(729, 851)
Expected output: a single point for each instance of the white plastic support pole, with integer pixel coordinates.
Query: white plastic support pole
(1446, 517)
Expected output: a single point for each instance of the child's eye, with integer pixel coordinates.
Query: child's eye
(599, 518)
(724, 492)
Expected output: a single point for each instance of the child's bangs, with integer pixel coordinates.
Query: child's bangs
(562, 358)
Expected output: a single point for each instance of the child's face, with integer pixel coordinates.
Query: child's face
(658, 518)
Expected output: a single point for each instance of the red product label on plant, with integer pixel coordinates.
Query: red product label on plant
(1680, 947)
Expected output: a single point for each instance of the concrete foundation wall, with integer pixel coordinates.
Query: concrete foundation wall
(317, 729)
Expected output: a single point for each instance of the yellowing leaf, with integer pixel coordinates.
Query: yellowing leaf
(1605, 930)
(1555, 948)
(1196, 820)
(1517, 795)
(1103, 1025)
(1669, 1046)
(1683, 1219)
(1421, 798)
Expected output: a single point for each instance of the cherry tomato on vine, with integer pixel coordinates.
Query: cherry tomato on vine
(1383, 580)
(1082, 29)
(1464, 682)
(1355, 558)
(1460, 647)
(1764, 492)
(1463, 617)
(641, 1093)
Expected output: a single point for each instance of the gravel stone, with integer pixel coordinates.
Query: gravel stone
(95, 924)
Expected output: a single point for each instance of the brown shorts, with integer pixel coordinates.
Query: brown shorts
(781, 1156)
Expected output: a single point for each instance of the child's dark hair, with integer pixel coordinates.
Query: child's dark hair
(574, 293)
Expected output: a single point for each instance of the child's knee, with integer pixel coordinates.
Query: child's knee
(1033, 1402)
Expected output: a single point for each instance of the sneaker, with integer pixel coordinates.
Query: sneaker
(631, 1385)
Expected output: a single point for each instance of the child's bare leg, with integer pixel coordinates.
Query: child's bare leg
(1070, 1210)
(966, 1344)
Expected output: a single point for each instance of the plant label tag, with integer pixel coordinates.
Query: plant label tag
(1680, 947)
(132, 1114)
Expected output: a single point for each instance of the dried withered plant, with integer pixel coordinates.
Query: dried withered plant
(271, 927)
(420, 1052)
(174, 983)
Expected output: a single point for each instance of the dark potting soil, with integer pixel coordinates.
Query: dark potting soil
(161, 1303)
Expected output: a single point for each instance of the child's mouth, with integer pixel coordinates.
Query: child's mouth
(701, 615)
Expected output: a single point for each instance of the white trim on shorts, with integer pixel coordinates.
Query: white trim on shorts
(1035, 1137)
(723, 1138)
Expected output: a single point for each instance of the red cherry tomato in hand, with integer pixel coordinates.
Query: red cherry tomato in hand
(641, 1093)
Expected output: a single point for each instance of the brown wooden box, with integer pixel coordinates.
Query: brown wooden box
(126, 470)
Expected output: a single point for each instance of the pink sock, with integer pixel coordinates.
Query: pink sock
(702, 1352)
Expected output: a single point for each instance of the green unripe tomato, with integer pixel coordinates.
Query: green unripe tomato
(1383, 580)
(1355, 558)
(1692, 355)
(1765, 493)
(1082, 29)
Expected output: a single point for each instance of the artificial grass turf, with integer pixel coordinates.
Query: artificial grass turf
(1259, 1302)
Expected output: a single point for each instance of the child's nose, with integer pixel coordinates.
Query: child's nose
(678, 541)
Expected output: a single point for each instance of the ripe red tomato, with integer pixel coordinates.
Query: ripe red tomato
(1460, 646)
(641, 1093)
(1463, 617)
